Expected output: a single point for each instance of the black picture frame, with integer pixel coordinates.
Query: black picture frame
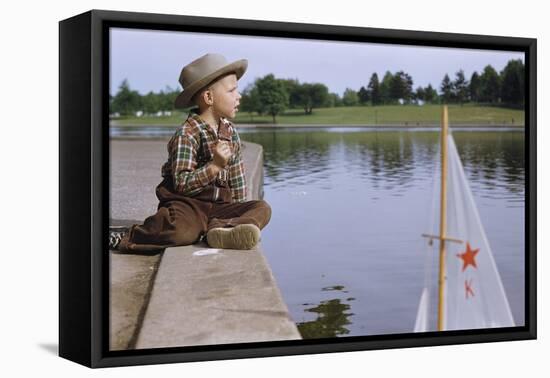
(83, 196)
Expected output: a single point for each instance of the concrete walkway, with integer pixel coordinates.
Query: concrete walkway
(187, 295)
(208, 296)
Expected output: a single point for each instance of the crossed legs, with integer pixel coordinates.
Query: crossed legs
(183, 222)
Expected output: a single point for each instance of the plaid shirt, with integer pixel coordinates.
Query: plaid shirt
(191, 149)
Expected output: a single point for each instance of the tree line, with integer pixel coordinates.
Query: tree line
(128, 102)
(269, 95)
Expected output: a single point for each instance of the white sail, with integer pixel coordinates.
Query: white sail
(423, 314)
(474, 296)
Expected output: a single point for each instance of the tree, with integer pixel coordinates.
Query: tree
(408, 80)
(460, 88)
(401, 86)
(167, 98)
(490, 85)
(350, 97)
(364, 95)
(126, 101)
(385, 96)
(319, 94)
(374, 89)
(293, 88)
(475, 87)
(334, 100)
(420, 94)
(513, 79)
(151, 103)
(272, 96)
(311, 95)
(249, 99)
(111, 98)
(446, 89)
(430, 94)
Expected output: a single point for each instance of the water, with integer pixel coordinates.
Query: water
(349, 206)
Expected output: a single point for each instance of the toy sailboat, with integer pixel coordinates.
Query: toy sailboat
(470, 294)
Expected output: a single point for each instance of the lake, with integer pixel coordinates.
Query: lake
(349, 206)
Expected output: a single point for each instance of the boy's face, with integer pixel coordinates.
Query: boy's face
(226, 96)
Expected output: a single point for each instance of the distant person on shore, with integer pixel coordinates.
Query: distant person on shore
(203, 191)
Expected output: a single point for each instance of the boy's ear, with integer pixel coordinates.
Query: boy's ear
(209, 97)
(205, 95)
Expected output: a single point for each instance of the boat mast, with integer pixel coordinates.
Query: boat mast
(443, 218)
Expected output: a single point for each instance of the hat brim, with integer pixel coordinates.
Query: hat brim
(184, 98)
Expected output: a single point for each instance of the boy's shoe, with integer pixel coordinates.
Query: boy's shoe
(115, 236)
(242, 236)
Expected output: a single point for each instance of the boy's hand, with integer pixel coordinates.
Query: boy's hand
(222, 154)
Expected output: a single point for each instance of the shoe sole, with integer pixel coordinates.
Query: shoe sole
(243, 236)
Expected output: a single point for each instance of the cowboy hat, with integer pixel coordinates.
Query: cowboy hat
(202, 71)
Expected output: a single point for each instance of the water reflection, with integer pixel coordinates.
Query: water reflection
(332, 317)
(392, 160)
(350, 205)
(495, 161)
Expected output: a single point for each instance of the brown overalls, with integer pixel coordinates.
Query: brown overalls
(182, 220)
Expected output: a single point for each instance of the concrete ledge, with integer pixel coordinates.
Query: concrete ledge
(207, 296)
(132, 280)
(135, 172)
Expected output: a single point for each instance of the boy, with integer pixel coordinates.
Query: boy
(203, 191)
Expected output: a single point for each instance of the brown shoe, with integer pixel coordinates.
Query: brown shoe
(242, 236)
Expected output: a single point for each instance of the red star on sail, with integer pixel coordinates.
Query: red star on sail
(468, 256)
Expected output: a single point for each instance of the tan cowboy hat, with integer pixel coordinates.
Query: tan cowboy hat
(202, 71)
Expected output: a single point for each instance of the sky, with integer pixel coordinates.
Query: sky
(151, 60)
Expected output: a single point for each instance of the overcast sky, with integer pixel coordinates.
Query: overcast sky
(152, 60)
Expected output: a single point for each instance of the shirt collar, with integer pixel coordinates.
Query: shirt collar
(203, 124)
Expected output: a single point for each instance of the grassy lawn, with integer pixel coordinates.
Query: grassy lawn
(380, 115)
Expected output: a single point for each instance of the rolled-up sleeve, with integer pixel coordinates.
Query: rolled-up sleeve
(188, 179)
